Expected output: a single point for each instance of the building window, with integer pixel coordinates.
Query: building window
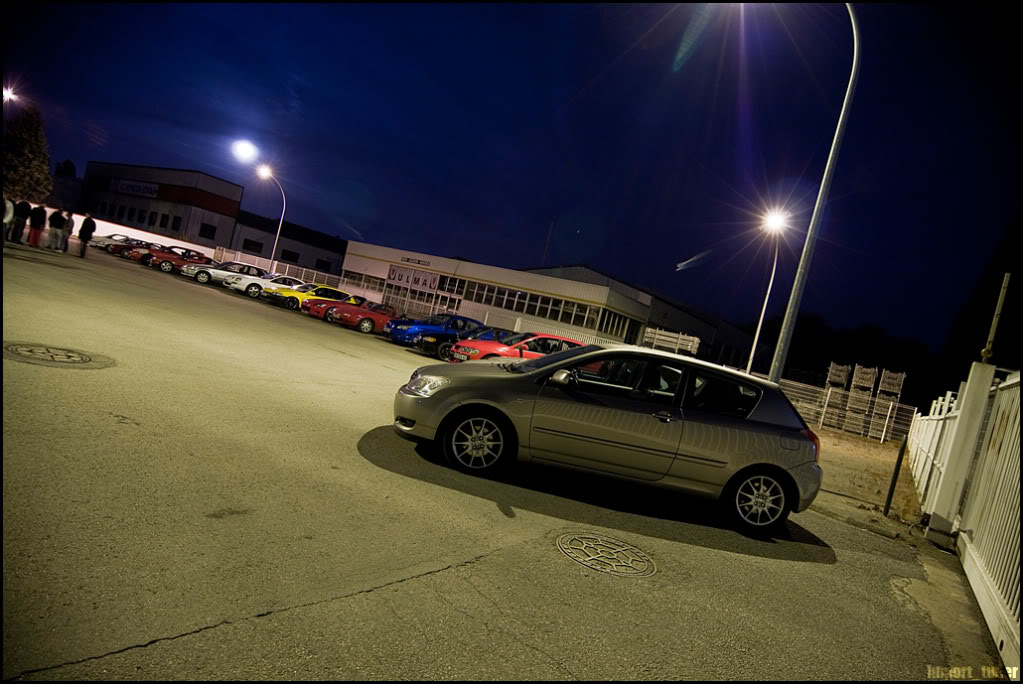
(289, 256)
(207, 231)
(131, 213)
(176, 223)
(520, 302)
(252, 246)
(375, 284)
(323, 265)
(567, 309)
(120, 212)
(592, 315)
(152, 218)
(164, 218)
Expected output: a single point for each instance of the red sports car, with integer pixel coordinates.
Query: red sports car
(173, 258)
(144, 254)
(122, 248)
(525, 345)
(364, 315)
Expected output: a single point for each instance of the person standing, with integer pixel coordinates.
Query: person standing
(8, 216)
(21, 212)
(56, 237)
(36, 223)
(85, 234)
(69, 224)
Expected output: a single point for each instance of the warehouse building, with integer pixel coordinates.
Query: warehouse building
(300, 246)
(574, 301)
(190, 205)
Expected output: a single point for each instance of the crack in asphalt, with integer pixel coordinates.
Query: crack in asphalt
(267, 613)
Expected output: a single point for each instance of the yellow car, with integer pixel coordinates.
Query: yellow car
(299, 297)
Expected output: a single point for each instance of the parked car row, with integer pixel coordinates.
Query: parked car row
(448, 337)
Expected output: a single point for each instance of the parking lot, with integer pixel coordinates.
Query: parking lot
(218, 493)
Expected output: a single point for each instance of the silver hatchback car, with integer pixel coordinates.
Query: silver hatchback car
(629, 412)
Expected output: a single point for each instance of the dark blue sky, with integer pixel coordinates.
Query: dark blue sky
(648, 134)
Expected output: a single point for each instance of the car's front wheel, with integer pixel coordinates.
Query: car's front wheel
(329, 316)
(758, 500)
(166, 267)
(110, 249)
(292, 303)
(366, 325)
(478, 442)
(253, 290)
(203, 277)
(444, 351)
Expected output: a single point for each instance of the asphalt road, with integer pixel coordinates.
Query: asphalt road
(225, 499)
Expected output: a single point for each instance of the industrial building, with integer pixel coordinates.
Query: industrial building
(189, 205)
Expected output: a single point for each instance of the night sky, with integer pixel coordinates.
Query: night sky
(647, 134)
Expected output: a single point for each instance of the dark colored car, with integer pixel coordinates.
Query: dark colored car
(439, 344)
(405, 331)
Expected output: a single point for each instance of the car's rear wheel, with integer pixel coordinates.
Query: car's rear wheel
(292, 303)
(202, 277)
(166, 267)
(444, 351)
(329, 316)
(366, 325)
(253, 290)
(758, 500)
(479, 442)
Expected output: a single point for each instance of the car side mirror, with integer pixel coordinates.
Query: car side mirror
(562, 377)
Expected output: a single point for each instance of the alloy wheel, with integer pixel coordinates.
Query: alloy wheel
(477, 443)
(253, 291)
(760, 500)
(366, 325)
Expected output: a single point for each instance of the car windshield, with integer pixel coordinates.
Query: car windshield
(545, 361)
(380, 308)
(518, 337)
(439, 319)
(305, 288)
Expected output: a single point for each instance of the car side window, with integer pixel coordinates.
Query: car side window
(617, 376)
(537, 345)
(661, 382)
(234, 268)
(713, 393)
(456, 324)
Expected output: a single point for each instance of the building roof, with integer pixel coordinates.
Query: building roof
(708, 318)
(161, 168)
(293, 231)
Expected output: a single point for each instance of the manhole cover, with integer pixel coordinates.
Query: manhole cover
(58, 357)
(606, 554)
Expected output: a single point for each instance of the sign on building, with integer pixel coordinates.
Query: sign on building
(131, 187)
(402, 276)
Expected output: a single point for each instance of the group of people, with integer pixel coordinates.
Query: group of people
(61, 222)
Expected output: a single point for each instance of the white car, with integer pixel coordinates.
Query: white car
(216, 273)
(253, 285)
(102, 241)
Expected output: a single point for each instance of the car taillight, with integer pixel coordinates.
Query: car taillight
(816, 443)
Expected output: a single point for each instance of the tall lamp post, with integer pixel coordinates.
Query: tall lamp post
(781, 351)
(774, 223)
(265, 172)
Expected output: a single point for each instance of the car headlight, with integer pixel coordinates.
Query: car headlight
(426, 385)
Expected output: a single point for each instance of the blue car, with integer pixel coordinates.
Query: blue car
(405, 331)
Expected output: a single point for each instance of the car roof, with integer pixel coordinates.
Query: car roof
(692, 361)
(558, 337)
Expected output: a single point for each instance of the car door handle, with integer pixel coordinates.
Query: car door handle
(663, 416)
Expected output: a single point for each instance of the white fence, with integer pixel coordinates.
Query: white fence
(988, 541)
(989, 514)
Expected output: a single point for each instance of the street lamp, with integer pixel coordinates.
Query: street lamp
(774, 223)
(264, 172)
(10, 95)
(781, 351)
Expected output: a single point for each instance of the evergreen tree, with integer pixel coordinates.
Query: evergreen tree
(27, 158)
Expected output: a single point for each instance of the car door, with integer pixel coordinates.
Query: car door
(620, 414)
(718, 434)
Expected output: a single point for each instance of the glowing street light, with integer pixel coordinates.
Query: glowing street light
(774, 223)
(264, 171)
(10, 95)
(245, 151)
